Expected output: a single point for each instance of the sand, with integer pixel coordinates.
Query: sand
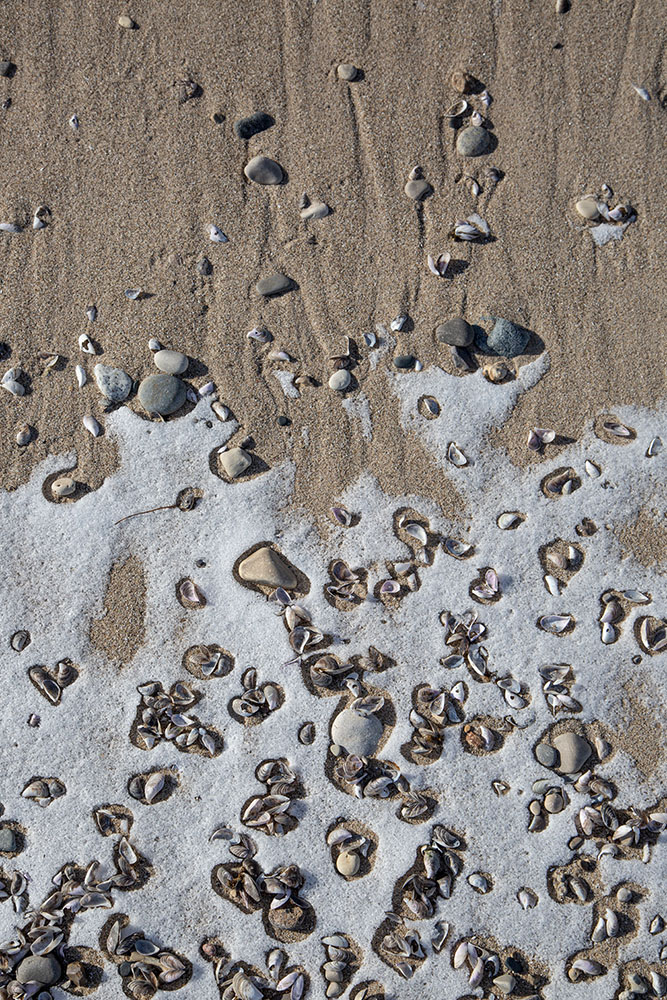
(131, 193)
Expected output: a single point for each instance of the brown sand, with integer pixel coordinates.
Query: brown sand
(132, 190)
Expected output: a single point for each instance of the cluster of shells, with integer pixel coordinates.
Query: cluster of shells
(163, 715)
(270, 813)
(257, 701)
(484, 968)
(337, 968)
(51, 684)
(144, 967)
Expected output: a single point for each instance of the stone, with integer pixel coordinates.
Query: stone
(574, 751)
(259, 121)
(126, 22)
(474, 140)
(461, 359)
(588, 209)
(162, 394)
(546, 755)
(114, 384)
(347, 72)
(316, 210)
(624, 895)
(63, 487)
(234, 462)
(553, 802)
(264, 566)
(504, 339)
(505, 983)
(7, 840)
(340, 380)
(204, 267)
(263, 170)
(171, 362)
(347, 863)
(273, 284)
(455, 332)
(417, 190)
(43, 969)
(6, 68)
(358, 734)
(404, 361)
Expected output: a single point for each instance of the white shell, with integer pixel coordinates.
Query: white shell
(592, 470)
(11, 385)
(216, 235)
(92, 425)
(80, 376)
(456, 456)
(86, 345)
(643, 93)
(10, 227)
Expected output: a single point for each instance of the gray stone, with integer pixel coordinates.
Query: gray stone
(7, 839)
(455, 332)
(245, 128)
(264, 566)
(504, 339)
(273, 284)
(546, 755)
(574, 751)
(404, 361)
(113, 383)
(461, 359)
(6, 68)
(172, 362)
(358, 734)
(233, 462)
(204, 267)
(162, 394)
(553, 802)
(263, 170)
(340, 380)
(474, 140)
(418, 189)
(347, 72)
(43, 969)
(316, 210)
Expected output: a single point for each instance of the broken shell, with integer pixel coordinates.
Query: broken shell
(92, 425)
(496, 372)
(457, 109)
(461, 81)
(23, 435)
(438, 265)
(455, 455)
(191, 594)
(216, 235)
(80, 376)
(86, 344)
(509, 519)
(429, 407)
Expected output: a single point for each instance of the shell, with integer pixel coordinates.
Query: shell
(92, 425)
(216, 235)
(455, 455)
(80, 376)
(509, 519)
(86, 345)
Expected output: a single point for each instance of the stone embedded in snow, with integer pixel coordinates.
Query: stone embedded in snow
(267, 568)
(356, 733)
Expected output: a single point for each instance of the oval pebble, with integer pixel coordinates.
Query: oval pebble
(340, 380)
(114, 384)
(587, 208)
(162, 394)
(259, 121)
(124, 21)
(43, 969)
(573, 750)
(546, 755)
(505, 338)
(273, 284)
(474, 140)
(417, 190)
(404, 361)
(64, 486)
(347, 72)
(347, 863)
(263, 170)
(455, 332)
(171, 362)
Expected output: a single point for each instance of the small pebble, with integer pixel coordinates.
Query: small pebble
(316, 210)
(461, 359)
(7, 840)
(114, 384)
(418, 189)
(546, 755)
(171, 362)
(126, 22)
(340, 380)
(162, 394)
(347, 72)
(553, 802)
(588, 209)
(234, 462)
(474, 140)
(273, 284)
(623, 894)
(456, 332)
(404, 361)
(6, 68)
(347, 863)
(245, 128)
(204, 267)
(283, 421)
(63, 487)
(358, 734)
(262, 170)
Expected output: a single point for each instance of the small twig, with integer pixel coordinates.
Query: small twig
(169, 506)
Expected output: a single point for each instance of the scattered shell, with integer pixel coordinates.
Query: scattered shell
(654, 447)
(307, 733)
(80, 376)
(23, 435)
(133, 293)
(455, 455)
(429, 407)
(642, 92)
(509, 519)
(557, 624)
(216, 235)
(398, 323)
(190, 594)
(92, 425)
(20, 640)
(438, 265)
(86, 345)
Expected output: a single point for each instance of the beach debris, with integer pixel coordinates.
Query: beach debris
(438, 265)
(256, 701)
(163, 715)
(641, 92)
(473, 140)
(472, 228)
(347, 72)
(269, 813)
(456, 332)
(215, 234)
(92, 425)
(461, 81)
(263, 170)
(44, 791)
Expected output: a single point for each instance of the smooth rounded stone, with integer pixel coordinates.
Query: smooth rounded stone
(43, 969)
(404, 361)
(358, 734)
(171, 362)
(63, 487)
(546, 755)
(316, 210)
(474, 140)
(340, 380)
(263, 170)
(7, 840)
(161, 394)
(574, 751)
(113, 383)
(259, 121)
(6, 67)
(553, 802)
(126, 22)
(233, 462)
(624, 895)
(455, 332)
(418, 189)
(505, 983)
(588, 209)
(347, 72)
(266, 567)
(504, 339)
(273, 284)
(347, 863)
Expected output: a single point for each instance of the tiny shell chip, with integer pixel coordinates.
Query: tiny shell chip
(92, 425)
(190, 595)
(216, 235)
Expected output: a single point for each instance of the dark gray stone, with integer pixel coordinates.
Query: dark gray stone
(546, 755)
(461, 359)
(263, 170)
(474, 140)
(404, 361)
(455, 332)
(162, 394)
(43, 969)
(7, 839)
(273, 284)
(504, 338)
(245, 128)
(6, 68)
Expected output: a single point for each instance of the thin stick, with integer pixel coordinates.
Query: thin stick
(169, 506)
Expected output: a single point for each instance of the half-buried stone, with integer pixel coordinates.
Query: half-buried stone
(418, 189)
(245, 128)
(171, 362)
(574, 752)
(43, 969)
(474, 140)
(358, 734)
(114, 384)
(504, 338)
(266, 568)
(263, 170)
(455, 332)
(273, 284)
(233, 462)
(163, 394)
